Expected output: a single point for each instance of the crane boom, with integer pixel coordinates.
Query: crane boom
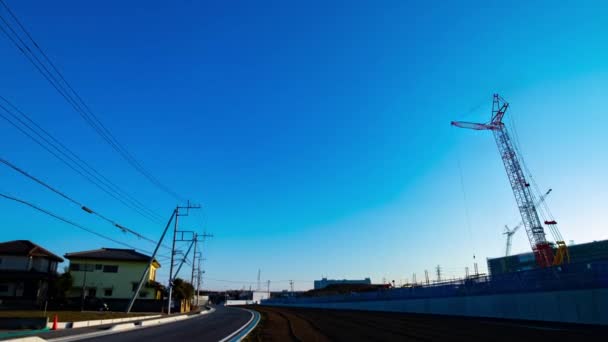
(543, 252)
(470, 125)
(510, 232)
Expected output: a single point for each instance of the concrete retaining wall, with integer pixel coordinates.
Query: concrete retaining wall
(14, 323)
(580, 306)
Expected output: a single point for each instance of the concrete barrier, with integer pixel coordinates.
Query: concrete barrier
(92, 323)
(16, 323)
(576, 306)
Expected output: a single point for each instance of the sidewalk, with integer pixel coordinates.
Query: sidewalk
(51, 334)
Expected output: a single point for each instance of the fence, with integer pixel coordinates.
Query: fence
(566, 277)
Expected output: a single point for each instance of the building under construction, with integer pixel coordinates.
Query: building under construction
(581, 253)
(553, 282)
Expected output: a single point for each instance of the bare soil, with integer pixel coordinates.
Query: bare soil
(298, 324)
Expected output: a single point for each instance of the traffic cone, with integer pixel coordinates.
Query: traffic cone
(54, 323)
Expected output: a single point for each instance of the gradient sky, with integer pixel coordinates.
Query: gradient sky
(316, 135)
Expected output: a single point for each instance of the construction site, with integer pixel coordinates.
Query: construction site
(554, 286)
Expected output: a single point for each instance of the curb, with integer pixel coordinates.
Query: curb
(243, 331)
(92, 323)
(26, 339)
(139, 324)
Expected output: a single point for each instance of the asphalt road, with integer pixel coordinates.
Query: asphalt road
(212, 327)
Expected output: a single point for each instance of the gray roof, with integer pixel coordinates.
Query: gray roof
(26, 248)
(116, 254)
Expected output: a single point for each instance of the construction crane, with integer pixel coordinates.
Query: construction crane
(543, 252)
(510, 232)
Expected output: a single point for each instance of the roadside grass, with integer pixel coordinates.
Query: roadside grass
(70, 316)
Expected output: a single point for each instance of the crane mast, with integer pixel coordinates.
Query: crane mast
(510, 232)
(543, 251)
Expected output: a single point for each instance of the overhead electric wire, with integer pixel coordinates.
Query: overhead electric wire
(45, 211)
(79, 106)
(78, 203)
(79, 160)
(100, 181)
(83, 207)
(255, 282)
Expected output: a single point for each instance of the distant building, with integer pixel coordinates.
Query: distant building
(259, 296)
(584, 252)
(26, 270)
(112, 273)
(324, 282)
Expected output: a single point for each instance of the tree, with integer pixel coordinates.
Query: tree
(60, 286)
(182, 289)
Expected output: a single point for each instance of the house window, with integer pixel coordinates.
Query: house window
(107, 292)
(110, 268)
(74, 267)
(98, 267)
(143, 294)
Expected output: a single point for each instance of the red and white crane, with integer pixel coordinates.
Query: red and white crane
(543, 251)
(510, 232)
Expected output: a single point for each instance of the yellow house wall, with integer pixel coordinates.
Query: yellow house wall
(129, 272)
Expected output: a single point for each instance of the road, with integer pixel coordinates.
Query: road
(211, 327)
(298, 324)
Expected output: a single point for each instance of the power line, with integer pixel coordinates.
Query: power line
(73, 98)
(78, 203)
(45, 211)
(255, 282)
(92, 175)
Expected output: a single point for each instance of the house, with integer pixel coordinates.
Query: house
(25, 271)
(112, 273)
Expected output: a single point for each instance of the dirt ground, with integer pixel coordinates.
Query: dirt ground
(296, 324)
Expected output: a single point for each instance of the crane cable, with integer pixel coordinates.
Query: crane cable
(544, 208)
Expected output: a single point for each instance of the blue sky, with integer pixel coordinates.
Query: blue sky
(316, 135)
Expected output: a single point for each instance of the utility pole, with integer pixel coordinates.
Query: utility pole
(152, 258)
(259, 274)
(426, 276)
(187, 252)
(268, 288)
(438, 269)
(84, 286)
(466, 272)
(291, 285)
(200, 270)
(199, 274)
(476, 272)
(171, 276)
(414, 278)
(195, 242)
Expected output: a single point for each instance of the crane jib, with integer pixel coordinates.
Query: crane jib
(543, 251)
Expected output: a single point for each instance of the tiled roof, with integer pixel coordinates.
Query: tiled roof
(109, 254)
(26, 248)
